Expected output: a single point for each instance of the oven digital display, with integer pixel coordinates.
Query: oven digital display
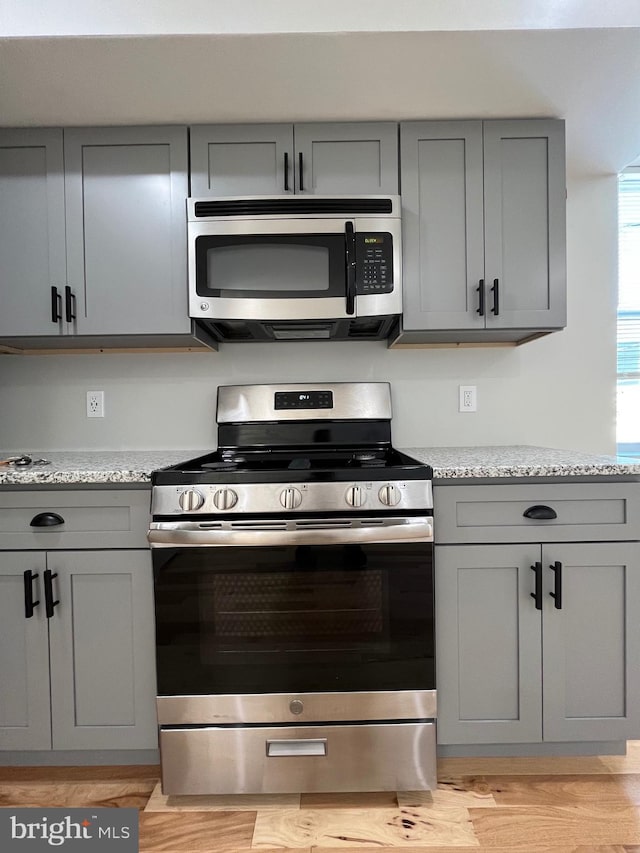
(303, 400)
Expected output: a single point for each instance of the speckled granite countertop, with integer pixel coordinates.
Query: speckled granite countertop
(520, 461)
(91, 466)
(135, 466)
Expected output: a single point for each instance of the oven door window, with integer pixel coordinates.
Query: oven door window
(271, 266)
(294, 619)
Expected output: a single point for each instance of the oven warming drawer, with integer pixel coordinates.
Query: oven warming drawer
(284, 759)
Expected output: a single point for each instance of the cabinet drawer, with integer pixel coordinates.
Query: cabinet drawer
(91, 519)
(584, 512)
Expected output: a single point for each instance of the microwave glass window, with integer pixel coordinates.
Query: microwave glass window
(269, 268)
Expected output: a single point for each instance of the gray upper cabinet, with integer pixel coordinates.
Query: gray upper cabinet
(32, 241)
(483, 230)
(126, 229)
(271, 159)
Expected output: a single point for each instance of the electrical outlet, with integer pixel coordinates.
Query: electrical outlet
(95, 404)
(468, 400)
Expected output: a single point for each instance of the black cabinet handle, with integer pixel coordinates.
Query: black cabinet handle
(350, 240)
(47, 519)
(496, 297)
(556, 568)
(56, 305)
(286, 171)
(49, 603)
(300, 172)
(480, 291)
(540, 512)
(70, 304)
(29, 603)
(537, 595)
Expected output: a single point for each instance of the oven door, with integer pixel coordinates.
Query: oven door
(319, 607)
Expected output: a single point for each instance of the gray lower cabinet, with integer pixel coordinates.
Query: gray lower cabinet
(483, 209)
(81, 674)
(271, 159)
(83, 678)
(508, 672)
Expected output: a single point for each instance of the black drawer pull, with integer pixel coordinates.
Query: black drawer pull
(70, 303)
(556, 568)
(540, 512)
(537, 595)
(47, 519)
(480, 292)
(496, 297)
(56, 305)
(49, 602)
(300, 172)
(29, 603)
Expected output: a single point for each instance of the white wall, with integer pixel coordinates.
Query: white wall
(558, 391)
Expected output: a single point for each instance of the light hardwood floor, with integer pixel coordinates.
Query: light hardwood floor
(534, 805)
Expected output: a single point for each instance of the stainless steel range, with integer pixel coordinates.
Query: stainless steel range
(294, 600)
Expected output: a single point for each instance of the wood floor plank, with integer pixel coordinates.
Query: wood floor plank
(195, 832)
(159, 802)
(344, 828)
(370, 800)
(520, 827)
(452, 793)
(57, 794)
(556, 790)
(106, 773)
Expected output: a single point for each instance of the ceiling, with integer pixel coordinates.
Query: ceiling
(588, 76)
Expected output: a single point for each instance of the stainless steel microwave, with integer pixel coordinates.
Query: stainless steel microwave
(289, 268)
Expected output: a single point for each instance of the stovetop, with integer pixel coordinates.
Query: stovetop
(286, 464)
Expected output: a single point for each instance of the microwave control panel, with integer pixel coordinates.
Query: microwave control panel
(374, 262)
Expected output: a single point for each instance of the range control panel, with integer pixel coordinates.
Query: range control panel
(303, 400)
(374, 262)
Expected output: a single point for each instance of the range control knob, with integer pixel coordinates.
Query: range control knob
(355, 496)
(290, 498)
(225, 499)
(389, 495)
(190, 500)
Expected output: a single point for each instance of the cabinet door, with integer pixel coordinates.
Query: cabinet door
(126, 192)
(340, 158)
(487, 644)
(25, 717)
(591, 646)
(103, 651)
(241, 159)
(442, 231)
(32, 244)
(524, 210)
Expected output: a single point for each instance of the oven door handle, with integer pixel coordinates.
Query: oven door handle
(319, 531)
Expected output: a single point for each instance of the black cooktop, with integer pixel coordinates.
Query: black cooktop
(293, 464)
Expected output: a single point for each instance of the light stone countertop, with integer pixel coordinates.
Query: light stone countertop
(114, 467)
(519, 460)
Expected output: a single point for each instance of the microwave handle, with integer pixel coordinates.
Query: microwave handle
(350, 239)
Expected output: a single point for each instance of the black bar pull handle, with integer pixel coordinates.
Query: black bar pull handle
(70, 303)
(56, 305)
(300, 170)
(286, 171)
(46, 519)
(496, 296)
(49, 602)
(556, 568)
(350, 240)
(537, 595)
(480, 291)
(540, 512)
(29, 603)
